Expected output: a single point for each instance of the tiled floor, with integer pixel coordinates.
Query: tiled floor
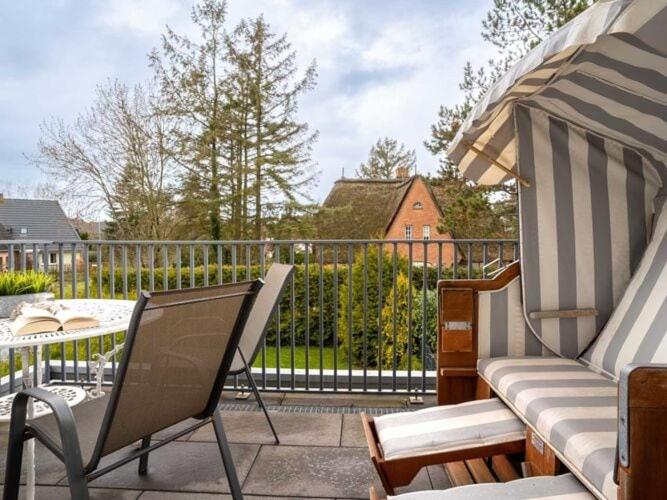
(321, 455)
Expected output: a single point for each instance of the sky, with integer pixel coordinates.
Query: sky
(384, 67)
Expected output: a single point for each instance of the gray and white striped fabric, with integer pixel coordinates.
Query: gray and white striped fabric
(447, 428)
(564, 487)
(501, 327)
(605, 70)
(637, 330)
(571, 407)
(584, 225)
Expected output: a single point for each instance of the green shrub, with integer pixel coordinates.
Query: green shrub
(24, 282)
(396, 325)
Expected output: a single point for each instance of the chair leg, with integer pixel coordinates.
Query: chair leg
(258, 397)
(15, 450)
(143, 459)
(227, 459)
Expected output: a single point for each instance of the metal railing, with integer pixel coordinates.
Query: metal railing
(358, 315)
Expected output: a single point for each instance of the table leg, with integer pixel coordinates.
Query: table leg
(27, 382)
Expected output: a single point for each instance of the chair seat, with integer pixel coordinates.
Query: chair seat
(88, 418)
(533, 488)
(447, 428)
(573, 408)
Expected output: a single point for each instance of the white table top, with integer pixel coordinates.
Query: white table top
(114, 316)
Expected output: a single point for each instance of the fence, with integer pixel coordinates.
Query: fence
(358, 315)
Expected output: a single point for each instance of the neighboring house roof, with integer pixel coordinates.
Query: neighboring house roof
(34, 220)
(363, 208)
(360, 208)
(94, 229)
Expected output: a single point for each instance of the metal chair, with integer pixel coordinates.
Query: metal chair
(255, 329)
(178, 351)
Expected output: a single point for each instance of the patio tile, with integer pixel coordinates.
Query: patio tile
(305, 429)
(353, 432)
(439, 478)
(315, 472)
(346, 400)
(62, 493)
(160, 495)
(49, 470)
(269, 398)
(182, 466)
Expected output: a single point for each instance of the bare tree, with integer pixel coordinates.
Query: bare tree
(115, 154)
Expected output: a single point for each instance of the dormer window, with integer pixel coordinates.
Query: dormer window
(417, 205)
(24, 231)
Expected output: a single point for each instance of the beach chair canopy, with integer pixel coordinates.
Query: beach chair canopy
(581, 123)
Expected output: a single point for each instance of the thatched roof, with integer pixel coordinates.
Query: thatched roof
(360, 208)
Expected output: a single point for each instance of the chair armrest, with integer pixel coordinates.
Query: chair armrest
(69, 448)
(642, 434)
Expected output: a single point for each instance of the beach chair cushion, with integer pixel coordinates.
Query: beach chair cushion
(447, 428)
(561, 487)
(637, 330)
(571, 407)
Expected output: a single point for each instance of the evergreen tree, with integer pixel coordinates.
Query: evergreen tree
(385, 157)
(190, 75)
(399, 349)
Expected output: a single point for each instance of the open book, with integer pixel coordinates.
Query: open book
(40, 320)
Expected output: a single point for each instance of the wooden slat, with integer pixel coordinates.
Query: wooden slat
(503, 468)
(458, 474)
(480, 471)
(565, 313)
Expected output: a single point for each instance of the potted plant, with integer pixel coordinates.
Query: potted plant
(23, 286)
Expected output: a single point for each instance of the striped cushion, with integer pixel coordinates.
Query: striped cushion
(637, 330)
(565, 487)
(447, 428)
(501, 327)
(570, 406)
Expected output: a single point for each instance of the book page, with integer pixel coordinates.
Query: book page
(28, 325)
(72, 320)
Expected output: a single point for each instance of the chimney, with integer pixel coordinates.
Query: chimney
(2, 198)
(402, 172)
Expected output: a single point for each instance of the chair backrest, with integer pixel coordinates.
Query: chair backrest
(260, 316)
(177, 354)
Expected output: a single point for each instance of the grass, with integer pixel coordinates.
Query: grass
(24, 282)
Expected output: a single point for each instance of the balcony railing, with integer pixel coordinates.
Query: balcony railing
(358, 315)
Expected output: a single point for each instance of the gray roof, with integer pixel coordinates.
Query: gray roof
(34, 220)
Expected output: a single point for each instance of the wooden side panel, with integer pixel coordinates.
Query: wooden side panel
(646, 477)
(542, 460)
(457, 334)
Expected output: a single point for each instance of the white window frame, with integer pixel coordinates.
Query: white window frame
(417, 205)
(408, 231)
(426, 231)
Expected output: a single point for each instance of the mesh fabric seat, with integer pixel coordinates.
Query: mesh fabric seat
(178, 350)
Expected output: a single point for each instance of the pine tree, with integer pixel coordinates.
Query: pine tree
(385, 157)
(278, 162)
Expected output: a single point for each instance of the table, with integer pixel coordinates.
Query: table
(113, 315)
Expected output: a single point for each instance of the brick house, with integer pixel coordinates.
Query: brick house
(391, 209)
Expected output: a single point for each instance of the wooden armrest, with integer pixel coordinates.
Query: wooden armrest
(642, 433)
(564, 313)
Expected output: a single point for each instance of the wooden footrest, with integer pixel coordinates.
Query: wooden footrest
(480, 470)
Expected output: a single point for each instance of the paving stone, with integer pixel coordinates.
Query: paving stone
(269, 398)
(353, 432)
(182, 466)
(62, 493)
(160, 495)
(439, 478)
(309, 472)
(346, 400)
(48, 470)
(304, 429)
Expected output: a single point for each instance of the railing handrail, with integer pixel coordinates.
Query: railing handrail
(255, 242)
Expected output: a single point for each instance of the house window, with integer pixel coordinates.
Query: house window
(53, 258)
(427, 232)
(408, 232)
(417, 205)
(24, 230)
